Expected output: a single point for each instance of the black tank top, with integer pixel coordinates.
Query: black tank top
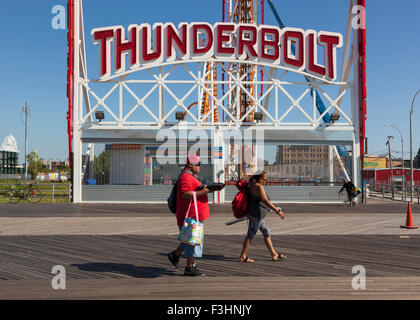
(256, 208)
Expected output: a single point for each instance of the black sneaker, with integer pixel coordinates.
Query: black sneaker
(174, 259)
(193, 272)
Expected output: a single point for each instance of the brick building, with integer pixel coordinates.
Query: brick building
(302, 162)
(301, 154)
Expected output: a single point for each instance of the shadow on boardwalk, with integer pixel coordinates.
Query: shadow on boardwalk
(138, 271)
(210, 257)
(125, 269)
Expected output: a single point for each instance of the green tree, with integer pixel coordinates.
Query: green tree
(416, 160)
(64, 168)
(42, 167)
(101, 163)
(34, 165)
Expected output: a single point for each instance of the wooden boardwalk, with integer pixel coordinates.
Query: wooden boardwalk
(120, 252)
(136, 267)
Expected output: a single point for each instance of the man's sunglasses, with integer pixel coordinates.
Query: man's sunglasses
(197, 164)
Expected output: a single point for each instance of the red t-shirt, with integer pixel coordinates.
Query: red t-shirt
(187, 182)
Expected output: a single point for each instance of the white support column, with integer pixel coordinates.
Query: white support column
(356, 162)
(227, 161)
(121, 103)
(77, 144)
(259, 149)
(357, 179)
(161, 95)
(218, 164)
(151, 170)
(91, 161)
(255, 157)
(83, 64)
(330, 164)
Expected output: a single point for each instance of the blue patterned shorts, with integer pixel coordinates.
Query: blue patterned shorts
(254, 225)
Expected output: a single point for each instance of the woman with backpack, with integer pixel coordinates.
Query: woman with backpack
(187, 185)
(259, 205)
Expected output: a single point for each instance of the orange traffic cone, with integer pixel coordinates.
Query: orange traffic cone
(409, 221)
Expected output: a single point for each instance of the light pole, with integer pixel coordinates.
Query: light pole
(25, 110)
(390, 165)
(402, 152)
(411, 145)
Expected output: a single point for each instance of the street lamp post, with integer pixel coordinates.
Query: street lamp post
(402, 152)
(388, 143)
(411, 145)
(25, 110)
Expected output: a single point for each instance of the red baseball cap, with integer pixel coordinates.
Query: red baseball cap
(193, 159)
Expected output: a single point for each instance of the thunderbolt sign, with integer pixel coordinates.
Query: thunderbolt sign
(148, 46)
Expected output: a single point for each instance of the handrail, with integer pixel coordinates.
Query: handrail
(48, 193)
(384, 191)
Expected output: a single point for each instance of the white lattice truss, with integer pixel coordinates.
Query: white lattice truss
(276, 85)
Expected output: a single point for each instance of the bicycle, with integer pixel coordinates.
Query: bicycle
(24, 192)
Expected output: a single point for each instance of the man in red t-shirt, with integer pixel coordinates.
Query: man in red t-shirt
(186, 184)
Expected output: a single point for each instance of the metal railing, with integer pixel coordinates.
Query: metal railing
(394, 192)
(278, 182)
(51, 192)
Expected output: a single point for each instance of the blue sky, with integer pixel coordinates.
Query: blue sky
(33, 60)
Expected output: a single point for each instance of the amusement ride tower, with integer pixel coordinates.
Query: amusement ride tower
(249, 12)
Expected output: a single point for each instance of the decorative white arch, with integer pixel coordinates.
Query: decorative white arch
(120, 123)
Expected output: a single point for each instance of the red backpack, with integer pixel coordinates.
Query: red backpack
(240, 203)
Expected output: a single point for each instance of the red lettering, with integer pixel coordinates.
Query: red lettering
(298, 61)
(196, 46)
(274, 43)
(331, 42)
(126, 46)
(291, 47)
(103, 36)
(249, 43)
(312, 50)
(157, 41)
(221, 38)
(172, 36)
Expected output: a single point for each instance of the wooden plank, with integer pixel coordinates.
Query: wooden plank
(32, 257)
(290, 288)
